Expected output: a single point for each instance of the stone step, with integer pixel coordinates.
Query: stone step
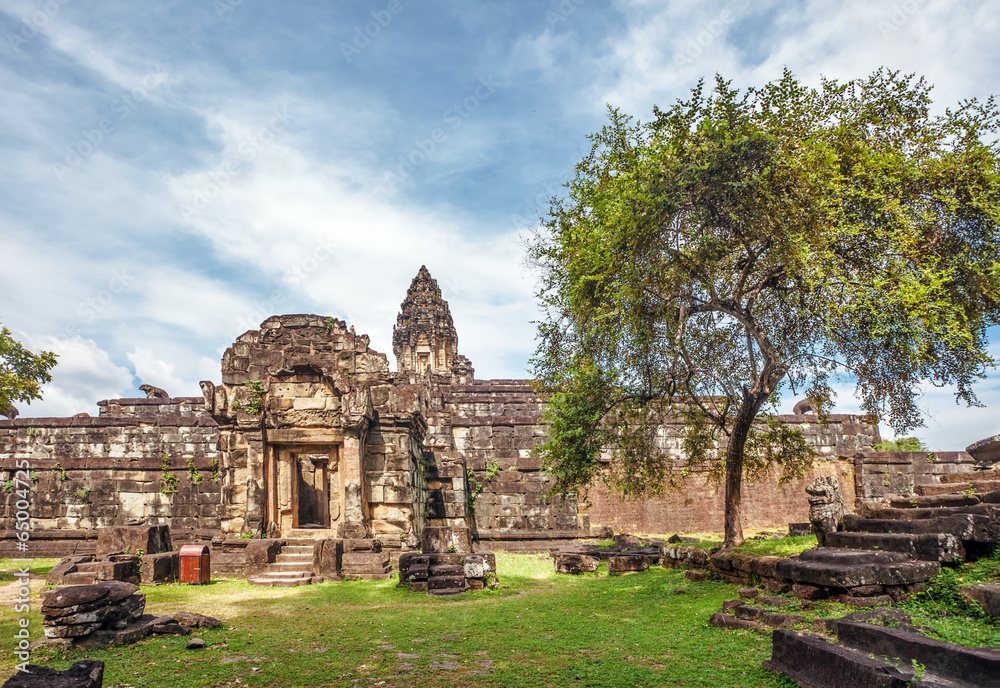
(304, 559)
(965, 527)
(948, 488)
(445, 582)
(301, 550)
(446, 592)
(971, 476)
(971, 666)
(290, 566)
(269, 582)
(829, 567)
(809, 660)
(941, 547)
(933, 501)
(988, 510)
(278, 573)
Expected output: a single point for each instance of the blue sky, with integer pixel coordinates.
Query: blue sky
(174, 172)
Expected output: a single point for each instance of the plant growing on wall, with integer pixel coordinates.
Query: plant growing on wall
(255, 397)
(193, 472)
(169, 483)
(476, 487)
(61, 473)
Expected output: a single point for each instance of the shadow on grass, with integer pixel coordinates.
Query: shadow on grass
(644, 629)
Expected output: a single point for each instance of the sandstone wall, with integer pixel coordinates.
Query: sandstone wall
(882, 473)
(155, 463)
(696, 504)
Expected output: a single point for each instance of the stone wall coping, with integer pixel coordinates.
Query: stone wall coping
(170, 420)
(473, 421)
(143, 401)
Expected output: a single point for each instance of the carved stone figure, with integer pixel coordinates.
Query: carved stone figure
(826, 506)
(10, 412)
(804, 406)
(154, 392)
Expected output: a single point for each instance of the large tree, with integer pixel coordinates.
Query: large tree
(741, 242)
(22, 373)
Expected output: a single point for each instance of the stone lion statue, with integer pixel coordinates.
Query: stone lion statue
(826, 506)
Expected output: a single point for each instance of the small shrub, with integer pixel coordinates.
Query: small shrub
(169, 484)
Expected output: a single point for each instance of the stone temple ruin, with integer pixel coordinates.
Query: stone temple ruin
(309, 437)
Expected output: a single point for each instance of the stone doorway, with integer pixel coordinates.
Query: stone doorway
(310, 490)
(314, 490)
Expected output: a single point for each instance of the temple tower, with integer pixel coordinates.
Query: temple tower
(424, 339)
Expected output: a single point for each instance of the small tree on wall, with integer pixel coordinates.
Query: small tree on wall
(744, 242)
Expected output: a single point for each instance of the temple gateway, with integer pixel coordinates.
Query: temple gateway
(309, 434)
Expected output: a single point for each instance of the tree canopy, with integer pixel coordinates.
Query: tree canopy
(22, 373)
(744, 242)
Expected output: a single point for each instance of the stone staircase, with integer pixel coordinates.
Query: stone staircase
(880, 657)
(292, 566)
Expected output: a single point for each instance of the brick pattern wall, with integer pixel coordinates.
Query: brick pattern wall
(88, 473)
(695, 504)
(883, 473)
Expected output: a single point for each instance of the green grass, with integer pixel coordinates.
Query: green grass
(545, 630)
(941, 608)
(782, 547)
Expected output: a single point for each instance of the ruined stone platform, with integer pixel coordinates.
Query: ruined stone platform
(832, 567)
(880, 657)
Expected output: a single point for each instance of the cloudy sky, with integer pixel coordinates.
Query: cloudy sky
(174, 172)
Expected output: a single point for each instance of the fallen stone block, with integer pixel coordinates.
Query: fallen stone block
(731, 622)
(811, 661)
(575, 564)
(85, 674)
(159, 568)
(986, 594)
(624, 563)
(695, 575)
(170, 629)
(131, 539)
(748, 593)
(977, 666)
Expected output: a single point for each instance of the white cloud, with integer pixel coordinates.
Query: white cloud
(152, 371)
(83, 376)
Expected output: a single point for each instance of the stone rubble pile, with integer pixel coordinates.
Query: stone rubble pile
(84, 674)
(108, 613)
(78, 610)
(447, 566)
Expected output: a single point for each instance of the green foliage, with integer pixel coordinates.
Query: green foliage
(30, 432)
(193, 473)
(8, 485)
(22, 373)
(329, 325)
(246, 536)
(169, 483)
(255, 397)
(84, 492)
(902, 444)
(740, 244)
(476, 487)
(61, 473)
(918, 670)
(237, 405)
(215, 469)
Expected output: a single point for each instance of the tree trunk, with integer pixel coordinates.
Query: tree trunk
(734, 470)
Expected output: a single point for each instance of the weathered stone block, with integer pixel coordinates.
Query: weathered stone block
(260, 553)
(159, 568)
(150, 539)
(84, 674)
(623, 563)
(575, 563)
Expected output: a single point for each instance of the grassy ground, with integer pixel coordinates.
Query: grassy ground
(644, 629)
(545, 630)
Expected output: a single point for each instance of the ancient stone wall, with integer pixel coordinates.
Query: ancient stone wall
(154, 464)
(896, 473)
(696, 503)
